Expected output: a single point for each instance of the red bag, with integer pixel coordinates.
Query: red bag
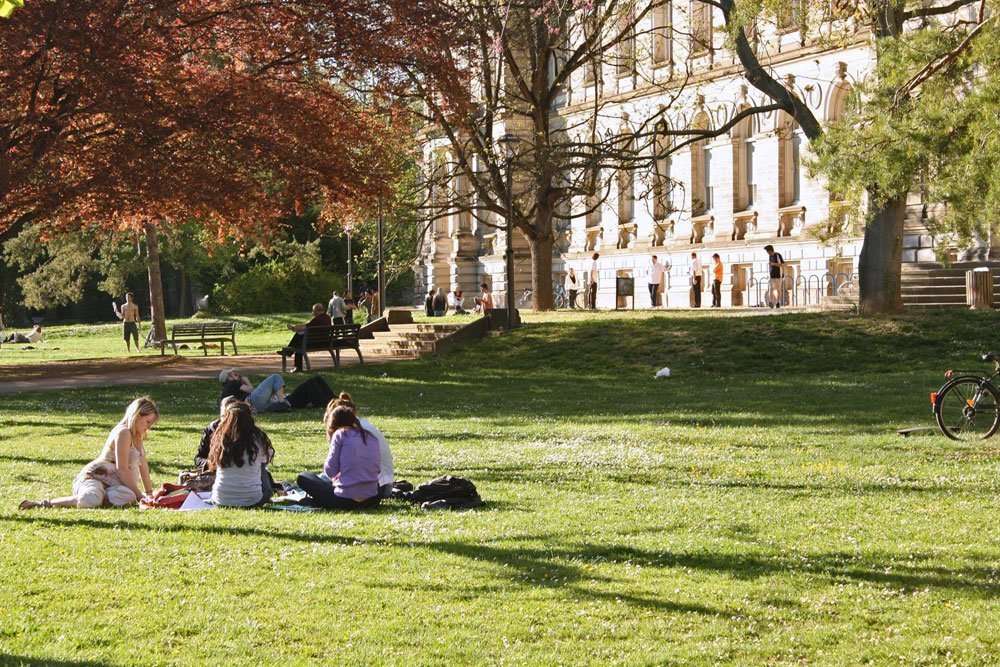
(167, 497)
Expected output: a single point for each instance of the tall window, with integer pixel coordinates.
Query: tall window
(661, 179)
(594, 199)
(750, 182)
(662, 27)
(626, 45)
(796, 165)
(701, 27)
(791, 17)
(789, 161)
(626, 184)
(707, 177)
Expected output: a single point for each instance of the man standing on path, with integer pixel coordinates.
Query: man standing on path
(335, 309)
(696, 278)
(592, 287)
(129, 315)
(717, 274)
(776, 267)
(655, 278)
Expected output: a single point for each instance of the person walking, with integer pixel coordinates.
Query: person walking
(717, 273)
(572, 286)
(776, 270)
(696, 278)
(336, 309)
(592, 287)
(656, 272)
(129, 315)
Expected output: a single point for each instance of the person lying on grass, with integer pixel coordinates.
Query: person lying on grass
(351, 468)
(34, 336)
(239, 455)
(268, 396)
(385, 473)
(113, 477)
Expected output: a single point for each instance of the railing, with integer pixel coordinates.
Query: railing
(805, 291)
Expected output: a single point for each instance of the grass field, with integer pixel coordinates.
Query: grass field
(755, 508)
(254, 334)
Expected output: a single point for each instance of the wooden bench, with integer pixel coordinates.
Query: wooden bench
(330, 339)
(203, 332)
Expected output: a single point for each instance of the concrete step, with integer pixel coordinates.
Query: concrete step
(934, 298)
(415, 335)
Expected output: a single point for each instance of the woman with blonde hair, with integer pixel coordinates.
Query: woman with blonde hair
(113, 477)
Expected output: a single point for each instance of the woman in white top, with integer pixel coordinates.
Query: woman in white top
(571, 285)
(113, 477)
(239, 454)
(386, 472)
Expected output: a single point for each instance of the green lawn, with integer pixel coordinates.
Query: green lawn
(755, 508)
(255, 334)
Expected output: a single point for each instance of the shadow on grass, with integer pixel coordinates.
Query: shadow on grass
(160, 468)
(8, 660)
(565, 567)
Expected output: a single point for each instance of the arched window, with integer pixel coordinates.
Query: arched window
(626, 182)
(700, 14)
(701, 166)
(789, 161)
(744, 184)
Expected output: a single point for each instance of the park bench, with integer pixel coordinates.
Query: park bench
(203, 332)
(330, 339)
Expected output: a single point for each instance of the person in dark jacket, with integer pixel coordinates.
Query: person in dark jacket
(440, 303)
(429, 303)
(319, 319)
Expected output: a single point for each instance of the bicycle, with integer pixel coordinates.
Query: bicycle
(967, 406)
(559, 297)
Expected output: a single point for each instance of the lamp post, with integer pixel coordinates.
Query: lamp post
(508, 143)
(381, 264)
(350, 265)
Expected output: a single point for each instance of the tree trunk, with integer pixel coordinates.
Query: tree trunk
(880, 264)
(157, 314)
(541, 272)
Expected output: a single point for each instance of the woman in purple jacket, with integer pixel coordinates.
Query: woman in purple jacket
(350, 475)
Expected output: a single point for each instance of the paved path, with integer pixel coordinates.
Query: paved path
(57, 375)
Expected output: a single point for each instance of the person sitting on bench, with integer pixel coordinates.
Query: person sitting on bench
(319, 319)
(22, 339)
(268, 396)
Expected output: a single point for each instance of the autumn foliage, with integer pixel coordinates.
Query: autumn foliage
(120, 112)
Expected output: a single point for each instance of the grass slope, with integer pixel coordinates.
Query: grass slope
(755, 508)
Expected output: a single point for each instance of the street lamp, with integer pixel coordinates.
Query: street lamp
(350, 264)
(508, 144)
(381, 264)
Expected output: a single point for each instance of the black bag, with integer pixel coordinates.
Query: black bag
(314, 392)
(443, 488)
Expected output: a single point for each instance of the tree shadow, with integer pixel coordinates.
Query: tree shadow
(10, 660)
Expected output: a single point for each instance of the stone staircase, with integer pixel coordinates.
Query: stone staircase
(933, 285)
(409, 340)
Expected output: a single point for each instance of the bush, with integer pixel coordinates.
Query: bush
(274, 287)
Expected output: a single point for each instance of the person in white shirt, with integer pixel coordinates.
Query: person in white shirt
(592, 288)
(572, 287)
(33, 337)
(656, 272)
(336, 308)
(696, 278)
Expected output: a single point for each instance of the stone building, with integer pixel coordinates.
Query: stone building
(733, 195)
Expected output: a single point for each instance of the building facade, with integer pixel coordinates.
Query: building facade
(731, 195)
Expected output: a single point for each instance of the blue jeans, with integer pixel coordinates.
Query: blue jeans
(260, 397)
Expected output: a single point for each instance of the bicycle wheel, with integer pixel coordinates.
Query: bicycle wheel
(968, 409)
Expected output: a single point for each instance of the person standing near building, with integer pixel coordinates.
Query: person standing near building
(129, 315)
(486, 300)
(572, 286)
(717, 273)
(592, 287)
(655, 279)
(335, 309)
(696, 278)
(776, 269)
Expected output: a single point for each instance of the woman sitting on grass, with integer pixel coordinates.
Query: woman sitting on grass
(385, 474)
(238, 456)
(112, 478)
(352, 466)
